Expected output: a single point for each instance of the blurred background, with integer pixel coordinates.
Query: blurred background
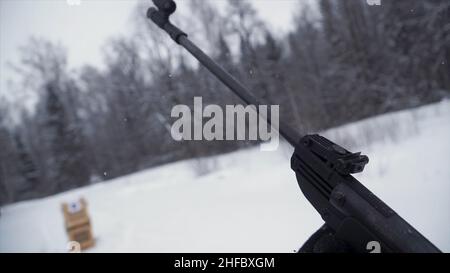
(87, 88)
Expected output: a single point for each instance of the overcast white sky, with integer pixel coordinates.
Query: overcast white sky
(83, 29)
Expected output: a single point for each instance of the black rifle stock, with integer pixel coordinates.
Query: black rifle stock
(323, 170)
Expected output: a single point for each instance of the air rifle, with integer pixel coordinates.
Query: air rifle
(354, 215)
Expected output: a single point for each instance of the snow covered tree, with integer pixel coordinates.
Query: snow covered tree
(5, 143)
(66, 167)
(28, 171)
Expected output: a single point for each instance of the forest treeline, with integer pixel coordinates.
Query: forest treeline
(343, 61)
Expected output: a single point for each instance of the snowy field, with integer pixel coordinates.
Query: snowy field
(251, 202)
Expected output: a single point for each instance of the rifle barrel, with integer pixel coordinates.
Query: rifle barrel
(286, 131)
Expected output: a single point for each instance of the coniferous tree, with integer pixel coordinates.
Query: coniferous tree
(66, 166)
(27, 169)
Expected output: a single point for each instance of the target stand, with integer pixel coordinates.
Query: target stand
(78, 224)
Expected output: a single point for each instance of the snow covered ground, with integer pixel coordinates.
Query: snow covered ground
(251, 202)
